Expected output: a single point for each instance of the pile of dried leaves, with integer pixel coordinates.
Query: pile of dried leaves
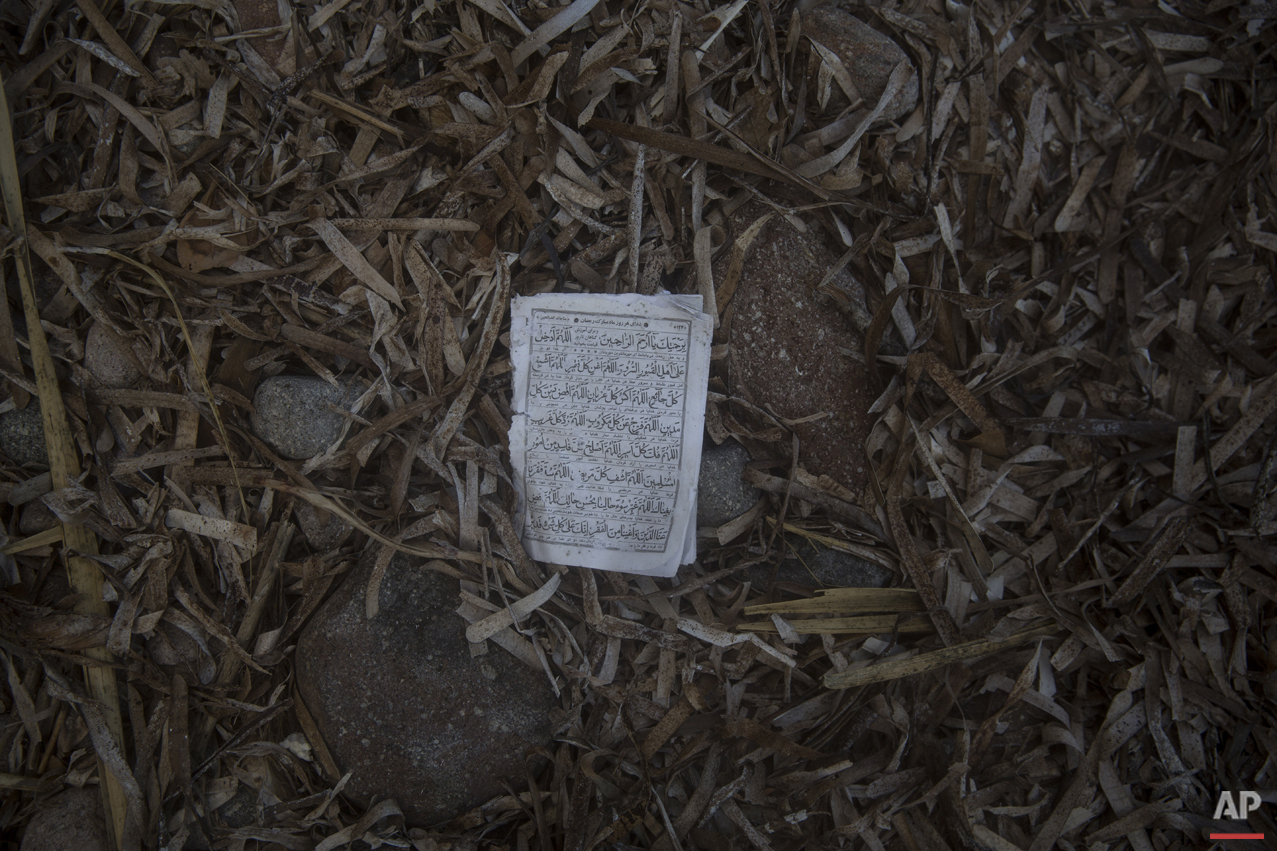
(1071, 237)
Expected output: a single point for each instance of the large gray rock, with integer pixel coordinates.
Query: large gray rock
(109, 358)
(69, 820)
(868, 55)
(722, 494)
(292, 413)
(400, 702)
(817, 566)
(22, 436)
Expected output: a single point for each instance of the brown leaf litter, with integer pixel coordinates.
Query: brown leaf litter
(1065, 250)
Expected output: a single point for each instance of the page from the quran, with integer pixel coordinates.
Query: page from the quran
(609, 408)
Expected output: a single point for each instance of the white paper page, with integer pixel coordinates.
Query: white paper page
(609, 408)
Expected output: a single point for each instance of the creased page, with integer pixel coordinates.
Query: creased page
(609, 408)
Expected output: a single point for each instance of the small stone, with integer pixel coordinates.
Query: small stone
(293, 413)
(35, 518)
(834, 568)
(818, 566)
(794, 354)
(109, 358)
(22, 436)
(323, 531)
(868, 55)
(723, 495)
(400, 702)
(71, 819)
(242, 809)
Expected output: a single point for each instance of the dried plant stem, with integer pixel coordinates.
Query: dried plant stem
(53, 739)
(893, 669)
(231, 665)
(64, 467)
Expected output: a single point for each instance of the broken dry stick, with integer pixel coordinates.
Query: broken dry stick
(845, 600)
(864, 624)
(896, 668)
(64, 467)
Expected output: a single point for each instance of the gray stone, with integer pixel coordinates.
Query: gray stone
(292, 413)
(400, 702)
(109, 358)
(22, 436)
(868, 55)
(70, 819)
(723, 495)
(818, 566)
(35, 518)
(323, 531)
(242, 809)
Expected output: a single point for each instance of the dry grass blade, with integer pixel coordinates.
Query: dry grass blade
(201, 372)
(845, 600)
(913, 665)
(863, 625)
(78, 542)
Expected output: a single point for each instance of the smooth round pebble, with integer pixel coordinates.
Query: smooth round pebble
(293, 413)
(22, 436)
(35, 518)
(722, 494)
(109, 358)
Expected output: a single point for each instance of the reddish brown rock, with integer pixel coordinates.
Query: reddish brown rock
(868, 55)
(262, 15)
(400, 702)
(795, 354)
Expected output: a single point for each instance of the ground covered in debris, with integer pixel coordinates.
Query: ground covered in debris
(1044, 233)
